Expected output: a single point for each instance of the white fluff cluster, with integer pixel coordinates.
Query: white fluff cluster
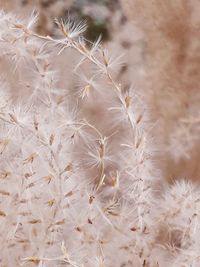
(78, 181)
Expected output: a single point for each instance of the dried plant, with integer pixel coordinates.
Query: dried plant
(80, 183)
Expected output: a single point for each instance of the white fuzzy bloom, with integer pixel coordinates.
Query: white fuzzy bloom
(79, 183)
